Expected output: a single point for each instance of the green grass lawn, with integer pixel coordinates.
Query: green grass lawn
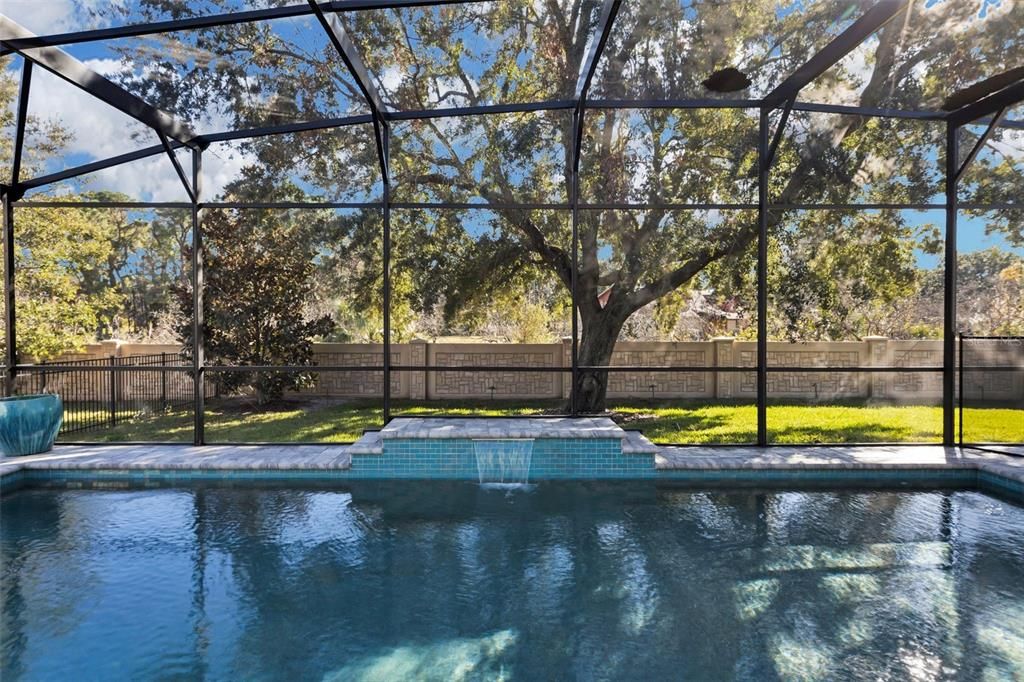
(691, 422)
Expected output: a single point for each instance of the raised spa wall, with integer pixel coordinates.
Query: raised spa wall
(562, 449)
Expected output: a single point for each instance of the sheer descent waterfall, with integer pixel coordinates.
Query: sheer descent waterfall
(504, 460)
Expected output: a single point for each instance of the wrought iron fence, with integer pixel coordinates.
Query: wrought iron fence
(100, 393)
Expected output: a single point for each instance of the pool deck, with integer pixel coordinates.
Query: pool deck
(339, 457)
(665, 459)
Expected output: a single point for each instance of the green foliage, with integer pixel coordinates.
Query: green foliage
(518, 52)
(60, 251)
(259, 276)
(832, 275)
(837, 277)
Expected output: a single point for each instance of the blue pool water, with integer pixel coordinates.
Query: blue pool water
(455, 581)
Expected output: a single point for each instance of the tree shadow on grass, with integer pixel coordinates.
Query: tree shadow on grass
(293, 421)
(687, 422)
(866, 432)
(684, 422)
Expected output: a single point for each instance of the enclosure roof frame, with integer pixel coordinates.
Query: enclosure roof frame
(42, 51)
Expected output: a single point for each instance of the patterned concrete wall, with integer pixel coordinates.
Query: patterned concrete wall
(983, 386)
(367, 383)
(511, 384)
(809, 384)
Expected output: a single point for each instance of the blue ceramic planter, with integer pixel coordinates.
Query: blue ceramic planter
(29, 424)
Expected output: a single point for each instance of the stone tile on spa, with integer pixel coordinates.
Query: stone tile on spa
(636, 443)
(370, 443)
(526, 427)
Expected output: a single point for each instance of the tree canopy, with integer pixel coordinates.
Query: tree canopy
(832, 274)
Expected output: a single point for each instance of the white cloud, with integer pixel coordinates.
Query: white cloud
(44, 17)
(221, 166)
(151, 179)
(99, 132)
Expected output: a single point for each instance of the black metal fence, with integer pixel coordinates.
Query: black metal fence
(100, 393)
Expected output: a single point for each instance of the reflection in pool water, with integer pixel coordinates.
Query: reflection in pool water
(454, 581)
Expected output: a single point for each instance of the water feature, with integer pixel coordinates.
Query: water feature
(503, 460)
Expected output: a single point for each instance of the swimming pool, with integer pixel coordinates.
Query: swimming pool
(561, 581)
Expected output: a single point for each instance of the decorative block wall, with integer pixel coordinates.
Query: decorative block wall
(547, 385)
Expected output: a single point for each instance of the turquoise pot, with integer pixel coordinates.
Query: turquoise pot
(29, 424)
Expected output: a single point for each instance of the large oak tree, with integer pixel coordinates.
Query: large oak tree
(512, 51)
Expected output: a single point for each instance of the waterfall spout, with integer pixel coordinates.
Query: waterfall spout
(505, 460)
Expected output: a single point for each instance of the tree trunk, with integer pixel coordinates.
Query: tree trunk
(598, 333)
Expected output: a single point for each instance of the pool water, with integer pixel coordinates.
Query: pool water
(557, 582)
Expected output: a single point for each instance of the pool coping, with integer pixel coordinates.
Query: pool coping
(834, 465)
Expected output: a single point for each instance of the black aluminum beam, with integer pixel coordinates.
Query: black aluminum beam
(10, 337)
(7, 209)
(709, 103)
(779, 132)
(949, 322)
(965, 164)
(212, 21)
(135, 30)
(20, 122)
(131, 205)
(574, 267)
(384, 138)
(94, 166)
(354, 63)
(290, 205)
(350, 55)
(674, 103)
(76, 73)
(286, 128)
(874, 112)
(764, 168)
(198, 317)
(609, 11)
(987, 106)
(868, 23)
(481, 110)
(355, 5)
(177, 166)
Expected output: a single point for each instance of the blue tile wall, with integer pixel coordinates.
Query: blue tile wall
(553, 459)
(999, 485)
(454, 459)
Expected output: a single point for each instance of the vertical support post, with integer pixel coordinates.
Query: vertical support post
(113, 391)
(198, 321)
(762, 279)
(163, 382)
(10, 350)
(7, 205)
(960, 400)
(384, 142)
(574, 194)
(950, 281)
